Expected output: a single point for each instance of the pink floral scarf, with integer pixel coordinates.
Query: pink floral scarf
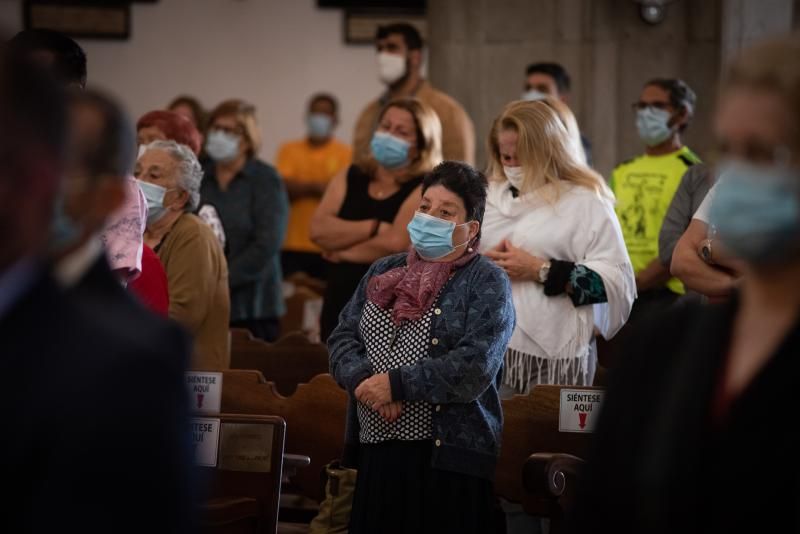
(411, 290)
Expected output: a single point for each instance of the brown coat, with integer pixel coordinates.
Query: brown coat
(197, 273)
(458, 133)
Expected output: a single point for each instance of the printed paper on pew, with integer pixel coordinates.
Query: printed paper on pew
(205, 391)
(205, 440)
(579, 409)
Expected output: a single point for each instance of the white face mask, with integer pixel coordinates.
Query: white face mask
(515, 176)
(533, 94)
(391, 67)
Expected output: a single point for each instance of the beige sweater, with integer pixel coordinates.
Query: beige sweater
(197, 274)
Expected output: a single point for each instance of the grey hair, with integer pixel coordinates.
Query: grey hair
(190, 173)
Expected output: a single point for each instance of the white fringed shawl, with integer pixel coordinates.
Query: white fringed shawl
(580, 227)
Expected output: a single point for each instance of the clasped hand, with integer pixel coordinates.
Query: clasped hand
(518, 264)
(376, 393)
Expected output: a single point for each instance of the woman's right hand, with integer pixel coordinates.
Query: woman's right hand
(391, 412)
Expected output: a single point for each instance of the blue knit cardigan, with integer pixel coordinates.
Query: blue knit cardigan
(472, 322)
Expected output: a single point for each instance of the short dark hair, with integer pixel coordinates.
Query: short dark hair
(555, 71)
(465, 181)
(192, 103)
(112, 149)
(325, 97)
(69, 63)
(681, 95)
(411, 36)
(34, 118)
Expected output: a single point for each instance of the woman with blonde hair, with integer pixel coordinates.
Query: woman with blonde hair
(251, 200)
(550, 224)
(365, 210)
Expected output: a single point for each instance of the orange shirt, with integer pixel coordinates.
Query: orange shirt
(300, 160)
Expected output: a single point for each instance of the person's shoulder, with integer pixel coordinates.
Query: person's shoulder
(341, 147)
(292, 147)
(688, 157)
(437, 98)
(372, 108)
(191, 224)
(486, 269)
(628, 163)
(387, 263)
(260, 170)
(119, 332)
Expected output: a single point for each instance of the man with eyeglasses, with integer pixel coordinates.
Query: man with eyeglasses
(645, 186)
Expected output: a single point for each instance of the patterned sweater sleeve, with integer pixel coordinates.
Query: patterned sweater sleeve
(349, 364)
(586, 285)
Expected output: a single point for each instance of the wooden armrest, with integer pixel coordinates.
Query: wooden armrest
(545, 473)
(293, 461)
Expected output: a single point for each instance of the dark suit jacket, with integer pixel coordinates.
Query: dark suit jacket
(663, 463)
(95, 435)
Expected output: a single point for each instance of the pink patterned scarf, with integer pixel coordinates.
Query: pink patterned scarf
(410, 290)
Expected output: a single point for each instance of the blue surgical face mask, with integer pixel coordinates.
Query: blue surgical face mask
(432, 237)
(653, 125)
(320, 125)
(154, 194)
(389, 151)
(756, 211)
(533, 94)
(222, 146)
(63, 230)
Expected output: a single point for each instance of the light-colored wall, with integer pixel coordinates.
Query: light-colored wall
(274, 53)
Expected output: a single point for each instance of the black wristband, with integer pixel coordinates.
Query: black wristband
(559, 276)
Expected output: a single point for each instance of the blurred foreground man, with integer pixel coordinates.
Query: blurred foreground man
(95, 433)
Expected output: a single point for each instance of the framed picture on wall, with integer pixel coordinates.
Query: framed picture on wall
(360, 26)
(86, 19)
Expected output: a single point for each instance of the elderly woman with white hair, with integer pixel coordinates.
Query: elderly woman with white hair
(197, 272)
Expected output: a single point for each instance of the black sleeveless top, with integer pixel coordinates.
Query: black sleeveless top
(343, 278)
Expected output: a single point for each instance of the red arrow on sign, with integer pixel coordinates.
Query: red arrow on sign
(582, 419)
(200, 401)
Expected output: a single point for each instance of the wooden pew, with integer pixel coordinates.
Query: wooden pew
(303, 304)
(315, 417)
(290, 361)
(531, 427)
(301, 279)
(246, 481)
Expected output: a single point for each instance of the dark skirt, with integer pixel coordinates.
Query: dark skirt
(397, 491)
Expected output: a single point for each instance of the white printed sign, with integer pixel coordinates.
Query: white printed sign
(205, 440)
(579, 409)
(205, 391)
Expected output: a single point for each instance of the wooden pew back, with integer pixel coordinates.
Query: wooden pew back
(531, 425)
(245, 484)
(315, 416)
(290, 361)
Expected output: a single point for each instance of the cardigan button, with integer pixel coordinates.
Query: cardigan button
(438, 407)
(437, 311)
(435, 341)
(438, 443)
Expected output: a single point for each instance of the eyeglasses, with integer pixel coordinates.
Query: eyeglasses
(232, 131)
(657, 105)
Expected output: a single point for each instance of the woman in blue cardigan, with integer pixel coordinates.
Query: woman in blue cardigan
(420, 349)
